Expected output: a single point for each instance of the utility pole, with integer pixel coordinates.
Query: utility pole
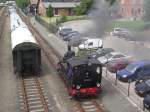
(37, 6)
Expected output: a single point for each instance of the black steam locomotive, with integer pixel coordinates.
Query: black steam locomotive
(81, 75)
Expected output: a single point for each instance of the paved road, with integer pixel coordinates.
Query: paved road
(112, 99)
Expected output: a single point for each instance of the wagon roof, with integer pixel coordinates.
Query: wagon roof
(76, 61)
(21, 35)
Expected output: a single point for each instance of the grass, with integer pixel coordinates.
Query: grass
(53, 20)
(71, 18)
(131, 25)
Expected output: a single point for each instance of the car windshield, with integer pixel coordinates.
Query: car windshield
(148, 82)
(131, 68)
(109, 55)
(67, 29)
(117, 29)
(118, 56)
(99, 50)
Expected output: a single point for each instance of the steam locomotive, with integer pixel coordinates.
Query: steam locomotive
(82, 76)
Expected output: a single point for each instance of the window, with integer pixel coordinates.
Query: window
(139, 11)
(118, 56)
(90, 44)
(122, 10)
(146, 67)
(56, 11)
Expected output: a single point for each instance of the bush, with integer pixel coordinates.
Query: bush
(22, 3)
(84, 6)
(146, 26)
(63, 18)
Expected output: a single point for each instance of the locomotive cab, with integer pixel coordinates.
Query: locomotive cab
(83, 75)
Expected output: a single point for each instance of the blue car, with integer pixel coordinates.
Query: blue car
(134, 71)
(146, 102)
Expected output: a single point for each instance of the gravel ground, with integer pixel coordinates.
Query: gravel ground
(57, 90)
(8, 92)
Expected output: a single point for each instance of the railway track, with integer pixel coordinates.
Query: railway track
(53, 57)
(32, 95)
(88, 106)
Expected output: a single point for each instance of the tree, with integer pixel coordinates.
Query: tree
(146, 15)
(115, 8)
(49, 11)
(111, 2)
(84, 6)
(22, 3)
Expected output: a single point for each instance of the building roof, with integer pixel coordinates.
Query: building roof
(61, 4)
(61, 0)
(33, 1)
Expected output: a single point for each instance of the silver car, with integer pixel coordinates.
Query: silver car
(112, 56)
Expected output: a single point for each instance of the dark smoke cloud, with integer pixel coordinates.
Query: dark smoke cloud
(100, 17)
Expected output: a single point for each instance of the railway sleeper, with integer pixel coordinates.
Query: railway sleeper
(29, 84)
(32, 103)
(89, 107)
(40, 110)
(33, 99)
(35, 107)
(33, 96)
(32, 92)
(31, 89)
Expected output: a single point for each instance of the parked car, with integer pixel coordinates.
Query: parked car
(72, 34)
(141, 80)
(101, 52)
(143, 88)
(63, 31)
(134, 71)
(120, 32)
(119, 64)
(112, 56)
(91, 43)
(146, 102)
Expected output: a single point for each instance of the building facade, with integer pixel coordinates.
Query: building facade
(60, 7)
(131, 8)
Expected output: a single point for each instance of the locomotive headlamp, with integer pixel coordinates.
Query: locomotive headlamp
(98, 70)
(98, 84)
(78, 87)
(76, 68)
(73, 85)
(89, 64)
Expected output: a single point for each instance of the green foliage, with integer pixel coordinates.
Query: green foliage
(115, 7)
(63, 18)
(49, 11)
(131, 25)
(84, 6)
(111, 2)
(57, 20)
(146, 16)
(22, 3)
